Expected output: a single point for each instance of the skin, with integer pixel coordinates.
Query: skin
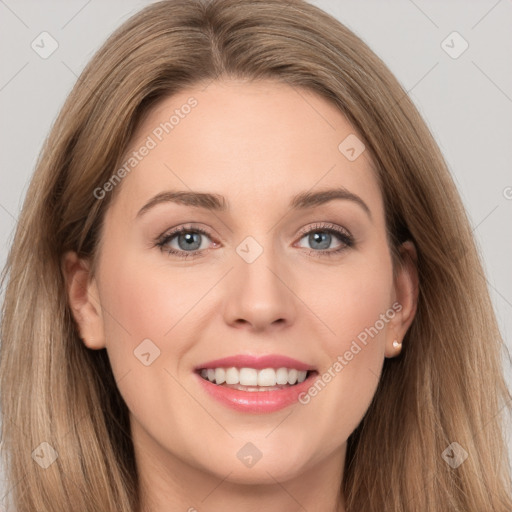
(257, 144)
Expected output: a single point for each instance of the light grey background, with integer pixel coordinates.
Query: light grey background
(467, 101)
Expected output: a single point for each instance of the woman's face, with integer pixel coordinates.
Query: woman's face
(274, 269)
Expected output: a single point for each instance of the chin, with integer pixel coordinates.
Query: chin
(258, 463)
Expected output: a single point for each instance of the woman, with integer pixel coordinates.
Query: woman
(252, 371)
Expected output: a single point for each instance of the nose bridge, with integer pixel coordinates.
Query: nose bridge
(256, 292)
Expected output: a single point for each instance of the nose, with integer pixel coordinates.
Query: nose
(259, 295)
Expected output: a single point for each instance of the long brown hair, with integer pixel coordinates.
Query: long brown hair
(447, 385)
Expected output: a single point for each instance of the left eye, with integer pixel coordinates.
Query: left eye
(322, 239)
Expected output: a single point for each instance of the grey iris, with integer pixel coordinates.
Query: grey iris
(191, 239)
(317, 237)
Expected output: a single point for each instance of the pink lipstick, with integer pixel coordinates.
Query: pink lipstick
(255, 384)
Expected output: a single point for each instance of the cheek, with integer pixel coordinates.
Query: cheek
(147, 300)
(146, 308)
(352, 300)
(357, 306)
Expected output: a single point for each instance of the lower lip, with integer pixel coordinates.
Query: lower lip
(257, 401)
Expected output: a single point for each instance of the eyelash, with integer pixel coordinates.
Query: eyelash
(343, 235)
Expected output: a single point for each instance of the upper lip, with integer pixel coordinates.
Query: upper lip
(257, 362)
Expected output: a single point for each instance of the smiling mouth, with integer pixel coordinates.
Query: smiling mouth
(251, 379)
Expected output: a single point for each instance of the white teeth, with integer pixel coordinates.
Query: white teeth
(232, 376)
(267, 377)
(220, 375)
(301, 376)
(282, 376)
(248, 377)
(292, 376)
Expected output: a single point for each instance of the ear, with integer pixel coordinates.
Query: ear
(406, 293)
(83, 298)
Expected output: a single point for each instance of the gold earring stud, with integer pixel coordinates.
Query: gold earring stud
(397, 345)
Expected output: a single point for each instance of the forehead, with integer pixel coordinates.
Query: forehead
(256, 143)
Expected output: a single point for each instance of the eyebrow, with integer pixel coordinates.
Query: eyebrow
(218, 203)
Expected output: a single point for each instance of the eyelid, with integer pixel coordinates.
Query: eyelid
(326, 226)
(184, 228)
